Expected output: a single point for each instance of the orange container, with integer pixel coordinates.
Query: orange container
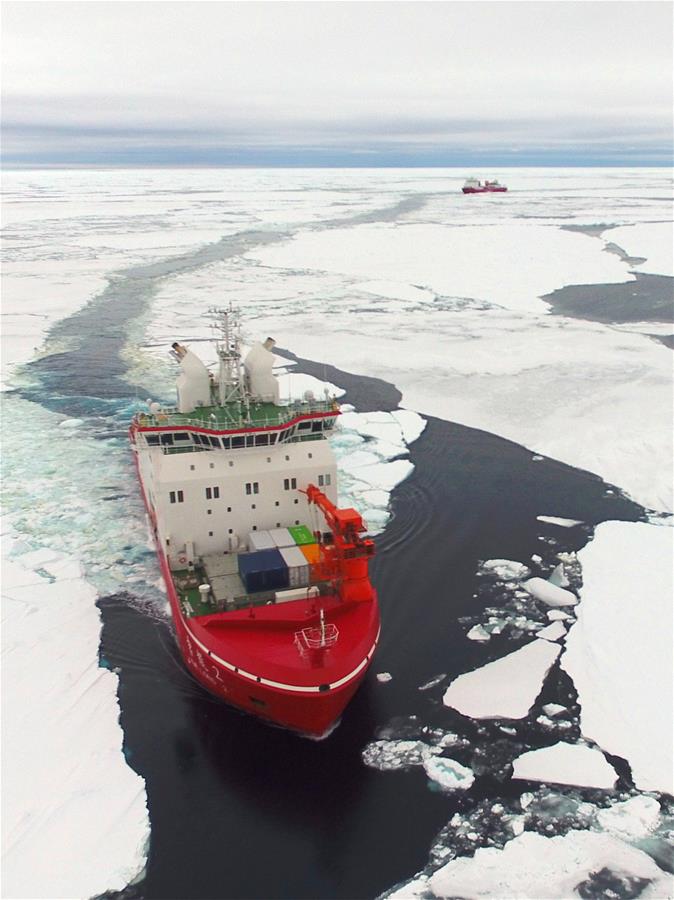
(311, 552)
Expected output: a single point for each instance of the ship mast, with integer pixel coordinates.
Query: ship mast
(231, 386)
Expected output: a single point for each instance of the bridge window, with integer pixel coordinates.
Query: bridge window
(238, 441)
(152, 439)
(261, 440)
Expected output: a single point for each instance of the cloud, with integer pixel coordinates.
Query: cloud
(375, 79)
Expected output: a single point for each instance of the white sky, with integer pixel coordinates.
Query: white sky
(325, 72)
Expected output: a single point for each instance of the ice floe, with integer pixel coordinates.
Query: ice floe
(552, 632)
(549, 593)
(505, 569)
(448, 773)
(533, 866)
(652, 240)
(478, 633)
(506, 688)
(632, 819)
(564, 763)
(75, 821)
(402, 754)
(555, 520)
(619, 652)
(384, 677)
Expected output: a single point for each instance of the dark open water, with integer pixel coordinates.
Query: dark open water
(243, 810)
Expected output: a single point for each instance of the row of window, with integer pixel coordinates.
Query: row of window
(252, 487)
(265, 439)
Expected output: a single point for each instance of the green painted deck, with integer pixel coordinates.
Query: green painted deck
(233, 415)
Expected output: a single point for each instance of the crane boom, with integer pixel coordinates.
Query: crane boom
(346, 562)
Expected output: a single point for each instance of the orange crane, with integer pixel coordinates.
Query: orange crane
(345, 561)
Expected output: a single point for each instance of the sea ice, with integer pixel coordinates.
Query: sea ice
(532, 866)
(75, 821)
(564, 763)
(552, 632)
(549, 593)
(653, 240)
(631, 819)
(555, 520)
(558, 615)
(478, 633)
(554, 709)
(448, 773)
(505, 569)
(506, 688)
(558, 577)
(388, 756)
(619, 651)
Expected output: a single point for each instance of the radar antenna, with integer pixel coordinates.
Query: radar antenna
(227, 329)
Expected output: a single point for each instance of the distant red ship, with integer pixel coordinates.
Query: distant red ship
(473, 186)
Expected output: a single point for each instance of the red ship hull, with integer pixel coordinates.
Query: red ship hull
(484, 190)
(250, 658)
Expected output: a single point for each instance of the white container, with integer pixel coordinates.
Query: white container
(296, 594)
(282, 537)
(260, 540)
(298, 567)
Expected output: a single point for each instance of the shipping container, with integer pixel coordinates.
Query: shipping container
(263, 570)
(302, 535)
(260, 540)
(282, 537)
(312, 553)
(298, 568)
(296, 594)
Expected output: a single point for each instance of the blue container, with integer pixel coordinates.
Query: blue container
(263, 570)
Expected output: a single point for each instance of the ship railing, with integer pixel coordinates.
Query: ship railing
(319, 638)
(170, 417)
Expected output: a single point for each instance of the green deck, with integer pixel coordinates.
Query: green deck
(234, 415)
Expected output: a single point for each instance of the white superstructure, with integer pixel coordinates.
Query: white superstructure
(213, 472)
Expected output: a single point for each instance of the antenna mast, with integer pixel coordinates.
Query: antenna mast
(231, 388)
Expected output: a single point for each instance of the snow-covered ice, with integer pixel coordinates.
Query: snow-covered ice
(448, 773)
(633, 819)
(552, 632)
(553, 709)
(478, 633)
(564, 763)
(532, 866)
(556, 520)
(505, 569)
(550, 593)
(392, 755)
(619, 652)
(75, 821)
(506, 688)
(652, 240)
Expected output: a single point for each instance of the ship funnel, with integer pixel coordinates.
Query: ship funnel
(193, 383)
(259, 365)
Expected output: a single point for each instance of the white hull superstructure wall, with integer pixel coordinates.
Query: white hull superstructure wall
(208, 502)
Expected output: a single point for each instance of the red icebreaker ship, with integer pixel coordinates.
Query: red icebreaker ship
(267, 579)
(473, 186)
